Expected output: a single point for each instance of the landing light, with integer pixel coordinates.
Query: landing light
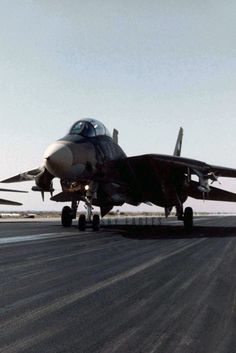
(86, 187)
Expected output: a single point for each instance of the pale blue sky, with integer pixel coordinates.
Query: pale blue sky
(144, 67)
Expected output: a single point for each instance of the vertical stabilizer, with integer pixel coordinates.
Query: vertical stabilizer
(115, 136)
(177, 151)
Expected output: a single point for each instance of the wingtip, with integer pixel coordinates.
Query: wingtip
(11, 190)
(13, 179)
(10, 203)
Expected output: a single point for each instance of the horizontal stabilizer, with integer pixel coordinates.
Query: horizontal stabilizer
(26, 176)
(148, 203)
(215, 194)
(8, 202)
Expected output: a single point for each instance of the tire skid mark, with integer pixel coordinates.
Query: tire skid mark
(81, 251)
(57, 304)
(167, 315)
(24, 343)
(185, 338)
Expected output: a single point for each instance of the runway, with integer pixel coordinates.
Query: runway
(127, 288)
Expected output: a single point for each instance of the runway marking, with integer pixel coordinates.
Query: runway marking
(33, 237)
(57, 304)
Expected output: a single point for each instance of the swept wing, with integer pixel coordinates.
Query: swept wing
(215, 194)
(160, 163)
(141, 172)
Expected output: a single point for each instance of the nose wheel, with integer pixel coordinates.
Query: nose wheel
(89, 219)
(82, 222)
(96, 222)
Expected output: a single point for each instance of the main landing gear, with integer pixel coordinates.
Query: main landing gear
(66, 216)
(186, 216)
(69, 213)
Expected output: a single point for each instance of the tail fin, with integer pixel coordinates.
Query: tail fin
(178, 145)
(115, 136)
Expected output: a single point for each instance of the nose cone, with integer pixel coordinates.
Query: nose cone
(58, 159)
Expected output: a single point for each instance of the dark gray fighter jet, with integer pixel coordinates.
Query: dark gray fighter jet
(93, 168)
(8, 202)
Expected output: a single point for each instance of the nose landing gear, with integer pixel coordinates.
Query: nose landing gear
(96, 222)
(89, 219)
(69, 213)
(82, 222)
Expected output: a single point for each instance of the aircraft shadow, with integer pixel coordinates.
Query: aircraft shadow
(172, 232)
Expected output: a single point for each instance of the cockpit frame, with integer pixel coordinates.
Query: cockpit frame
(89, 128)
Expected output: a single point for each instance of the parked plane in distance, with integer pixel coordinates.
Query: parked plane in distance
(8, 202)
(94, 169)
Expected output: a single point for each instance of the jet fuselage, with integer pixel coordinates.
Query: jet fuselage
(77, 159)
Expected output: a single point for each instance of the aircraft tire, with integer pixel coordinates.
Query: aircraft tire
(96, 222)
(188, 218)
(66, 216)
(82, 222)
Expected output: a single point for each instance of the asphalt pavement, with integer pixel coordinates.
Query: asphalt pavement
(138, 289)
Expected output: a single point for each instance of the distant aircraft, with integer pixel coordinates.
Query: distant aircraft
(8, 202)
(93, 168)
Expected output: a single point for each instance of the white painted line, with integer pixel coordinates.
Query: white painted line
(33, 237)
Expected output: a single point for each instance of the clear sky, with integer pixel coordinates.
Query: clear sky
(144, 67)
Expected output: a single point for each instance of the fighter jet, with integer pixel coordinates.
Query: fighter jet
(8, 202)
(94, 169)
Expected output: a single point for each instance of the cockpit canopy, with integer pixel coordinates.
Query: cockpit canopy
(89, 128)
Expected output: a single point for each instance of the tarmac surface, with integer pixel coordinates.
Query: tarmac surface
(138, 289)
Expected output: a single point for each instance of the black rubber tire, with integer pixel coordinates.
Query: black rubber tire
(82, 222)
(96, 222)
(188, 218)
(66, 216)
